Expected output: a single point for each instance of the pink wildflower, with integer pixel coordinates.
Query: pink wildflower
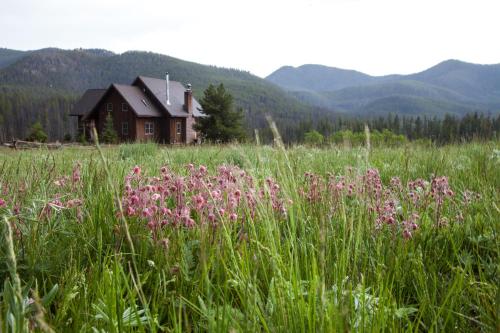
(73, 203)
(76, 173)
(211, 217)
(407, 234)
(130, 211)
(146, 212)
(165, 243)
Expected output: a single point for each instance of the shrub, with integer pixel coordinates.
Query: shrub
(37, 133)
(313, 138)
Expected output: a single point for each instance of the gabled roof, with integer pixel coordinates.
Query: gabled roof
(158, 88)
(88, 101)
(138, 101)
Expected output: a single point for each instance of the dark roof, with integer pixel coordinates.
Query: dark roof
(88, 101)
(176, 108)
(138, 101)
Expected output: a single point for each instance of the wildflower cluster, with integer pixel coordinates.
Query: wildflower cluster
(394, 206)
(198, 198)
(67, 187)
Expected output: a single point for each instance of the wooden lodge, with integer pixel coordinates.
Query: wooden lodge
(147, 110)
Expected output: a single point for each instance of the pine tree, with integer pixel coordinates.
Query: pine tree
(109, 134)
(223, 123)
(37, 133)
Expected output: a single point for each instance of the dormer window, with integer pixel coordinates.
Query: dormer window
(109, 107)
(124, 107)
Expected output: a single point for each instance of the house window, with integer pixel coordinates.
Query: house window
(149, 128)
(109, 107)
(178, 126)
(124, 107)
(124, 128)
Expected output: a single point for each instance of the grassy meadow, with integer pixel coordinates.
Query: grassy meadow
(267, 240)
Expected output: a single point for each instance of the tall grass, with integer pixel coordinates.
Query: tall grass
(317, 270)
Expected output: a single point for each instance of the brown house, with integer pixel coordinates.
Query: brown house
(147, 110)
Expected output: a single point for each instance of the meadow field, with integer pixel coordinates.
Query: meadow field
(142, 238)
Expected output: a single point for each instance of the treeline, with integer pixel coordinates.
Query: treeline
(450, 129)
(20, 108)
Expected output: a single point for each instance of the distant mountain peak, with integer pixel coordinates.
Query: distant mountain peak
(314, 77)
(451, 86)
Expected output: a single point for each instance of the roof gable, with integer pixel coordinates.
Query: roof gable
(158, 89)
(87, 102)
(138, 101)
(140, 104)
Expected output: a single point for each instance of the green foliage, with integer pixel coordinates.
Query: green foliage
(20, 107)
(223, 123)
(138, 151)
(37, 133)
(73, 71)
(82, 139)
(385, 138)
(313, 138)
(109, 134)
(25, 98)
(317, 269)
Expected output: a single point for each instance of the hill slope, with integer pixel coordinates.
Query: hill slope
(449, 87)
(77, 70)
(8, 56)
(318, 78)
(70, 72)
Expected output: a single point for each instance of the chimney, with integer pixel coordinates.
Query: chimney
(168, 88)
(188, 99)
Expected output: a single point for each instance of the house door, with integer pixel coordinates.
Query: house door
(178, 131)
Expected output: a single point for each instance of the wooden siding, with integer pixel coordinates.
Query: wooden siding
(140, 126)
(165, 128)
(119, 116)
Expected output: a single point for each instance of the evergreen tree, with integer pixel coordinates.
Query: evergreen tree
(37, 133)
(109, 134)
(223, 123)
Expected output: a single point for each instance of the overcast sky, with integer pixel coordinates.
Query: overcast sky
(374, 36)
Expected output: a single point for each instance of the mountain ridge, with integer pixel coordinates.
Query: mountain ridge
(80, 69)
(63, 75)
(455, 85)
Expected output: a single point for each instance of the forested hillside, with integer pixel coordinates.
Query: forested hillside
(7, 56)
(29, 84)
(21, 107)
(43, 85)
(451, 87)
